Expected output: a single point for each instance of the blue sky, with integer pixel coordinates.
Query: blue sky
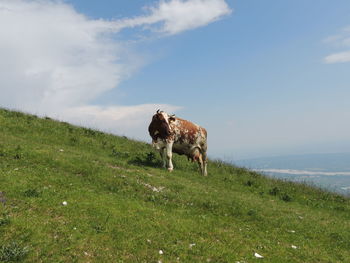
(264, 77)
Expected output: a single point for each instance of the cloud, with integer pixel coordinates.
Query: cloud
(52, 57)
(341, 40)
(55, 61)
(340, 57)
(124, 120)
(178, 15)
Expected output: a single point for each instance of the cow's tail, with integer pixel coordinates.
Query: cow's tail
(205, 161)
(203, 150)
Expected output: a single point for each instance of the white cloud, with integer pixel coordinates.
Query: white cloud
(124, 120)
(340, 57)
(176, 16)
(55, 61)
(53, 57)
(341, 40)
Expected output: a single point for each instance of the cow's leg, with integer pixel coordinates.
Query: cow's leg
(169, 155)
(162, 152)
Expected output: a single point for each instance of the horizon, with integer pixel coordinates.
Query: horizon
(265, 79)
(296, 155)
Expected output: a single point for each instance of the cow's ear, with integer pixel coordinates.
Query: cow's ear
(172, 118)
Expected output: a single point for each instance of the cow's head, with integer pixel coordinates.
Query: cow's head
(160, 125)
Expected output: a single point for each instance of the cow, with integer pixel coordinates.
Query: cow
(172, 134)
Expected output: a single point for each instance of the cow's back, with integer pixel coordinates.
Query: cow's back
(188, 136)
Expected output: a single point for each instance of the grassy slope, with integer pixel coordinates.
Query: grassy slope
(115, 215)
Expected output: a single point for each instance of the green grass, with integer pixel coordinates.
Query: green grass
(123, 207)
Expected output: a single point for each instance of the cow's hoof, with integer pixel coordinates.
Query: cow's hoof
(170, 169)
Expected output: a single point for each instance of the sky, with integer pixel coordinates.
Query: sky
(265, 78)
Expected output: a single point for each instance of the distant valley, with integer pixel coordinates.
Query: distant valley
(330, 171)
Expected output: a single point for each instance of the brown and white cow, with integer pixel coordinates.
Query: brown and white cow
(171, 134)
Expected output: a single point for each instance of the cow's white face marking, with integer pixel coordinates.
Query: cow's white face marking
(165, 116)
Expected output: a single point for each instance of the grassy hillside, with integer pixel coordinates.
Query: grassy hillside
(122, 207)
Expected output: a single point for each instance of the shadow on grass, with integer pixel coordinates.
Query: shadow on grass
(149, 159)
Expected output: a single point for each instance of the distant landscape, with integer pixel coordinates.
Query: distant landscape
(330, 171)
